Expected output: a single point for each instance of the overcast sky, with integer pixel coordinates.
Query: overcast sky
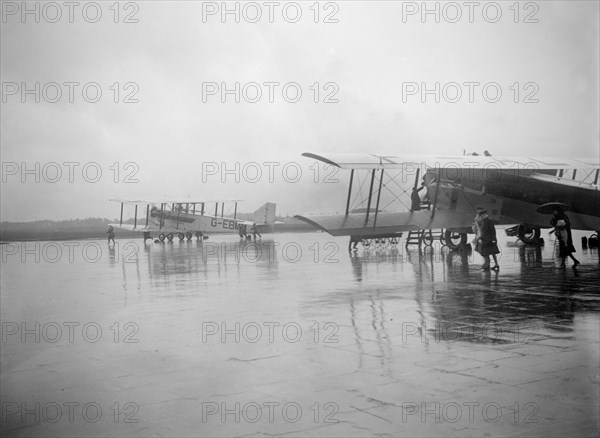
(368, 58)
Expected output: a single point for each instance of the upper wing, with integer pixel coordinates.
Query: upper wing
(173, 201)
(373, 161)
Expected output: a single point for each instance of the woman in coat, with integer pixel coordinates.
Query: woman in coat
(487, 241)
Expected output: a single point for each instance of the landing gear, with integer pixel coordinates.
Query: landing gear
(528, 234)
(454, 240)
(378, 242)
(591, 242)
(427, 238)
(169, 237)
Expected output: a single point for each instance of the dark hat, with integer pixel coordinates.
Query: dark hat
(482, 211)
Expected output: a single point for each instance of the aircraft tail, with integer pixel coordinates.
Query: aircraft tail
(265, 214)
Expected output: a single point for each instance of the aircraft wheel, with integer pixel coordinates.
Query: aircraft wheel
(188, 235)
(366, 243)
(170, 237)
(454, 240)
(528, 234)
(181, 236)
(593, 240)
(198, 235)
(427, 238)
(161, 237)
(394, 241)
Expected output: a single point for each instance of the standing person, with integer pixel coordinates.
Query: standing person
(488, 242)
(111, 234)
(255, 232)
(415, 200)
(415, 196)
(562, 230)
(477, 222)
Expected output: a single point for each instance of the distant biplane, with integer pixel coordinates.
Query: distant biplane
(511, 189)
(186, 218)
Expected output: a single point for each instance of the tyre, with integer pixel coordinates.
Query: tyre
(427, 238)
(454, 240)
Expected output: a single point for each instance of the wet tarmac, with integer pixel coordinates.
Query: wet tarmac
(296, 337)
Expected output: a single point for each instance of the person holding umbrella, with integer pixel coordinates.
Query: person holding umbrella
(562, 231)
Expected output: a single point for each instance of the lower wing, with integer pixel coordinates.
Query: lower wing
(357, 224)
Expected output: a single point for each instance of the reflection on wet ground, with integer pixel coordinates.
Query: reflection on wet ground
(295, 336)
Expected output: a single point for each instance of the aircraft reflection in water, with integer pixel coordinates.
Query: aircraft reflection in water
(431, 294)
(193, 258)
(451, 303)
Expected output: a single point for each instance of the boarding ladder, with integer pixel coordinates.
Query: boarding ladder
(418, 237)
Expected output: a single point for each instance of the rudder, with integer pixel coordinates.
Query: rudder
(265, 214)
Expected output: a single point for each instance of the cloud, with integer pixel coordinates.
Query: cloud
(362, 62)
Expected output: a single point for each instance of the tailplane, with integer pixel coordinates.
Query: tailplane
(265, 214)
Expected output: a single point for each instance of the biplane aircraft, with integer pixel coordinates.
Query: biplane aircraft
(510, 189)
(186, 218)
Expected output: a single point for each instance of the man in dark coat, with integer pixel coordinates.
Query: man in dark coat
(111, 234)
(487, 241)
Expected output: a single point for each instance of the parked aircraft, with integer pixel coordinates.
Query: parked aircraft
(186, 218)
(511, 189)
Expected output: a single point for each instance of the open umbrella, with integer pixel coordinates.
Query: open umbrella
(549, 207)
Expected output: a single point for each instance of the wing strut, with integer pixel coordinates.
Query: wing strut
(417, 178)
(370, 196)
(147, 214)
(135, 218)
(596, 178)
(437, 189)
(235, 212)
(378, 196)
(349, 192)
(121, 221)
